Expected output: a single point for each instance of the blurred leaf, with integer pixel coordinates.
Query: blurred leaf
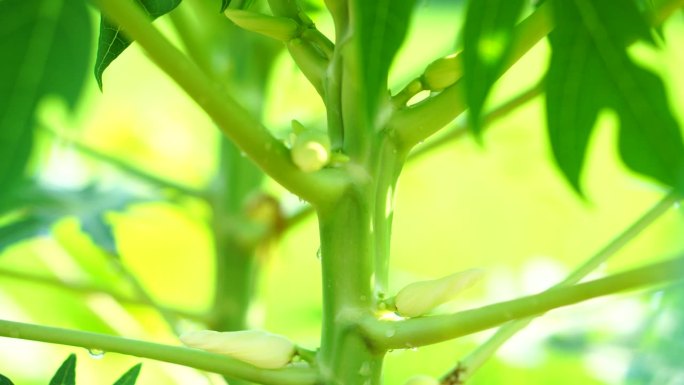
(44, 206)
(487, 32)
(224, 4)
(112, 42)
(5, 381)
(658, 352)
(46, 48)
(381, 29)
(66, 374)
(591, 70)
(20, 230)
(130, 376)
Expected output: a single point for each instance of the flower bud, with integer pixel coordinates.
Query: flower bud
(261, 349)
(310, 148)
(279, 28)
(419, 298)
(421, 380)
(443, 72)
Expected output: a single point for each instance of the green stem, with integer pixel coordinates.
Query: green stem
(86, 289)
(489, 118)
(347, 264)
(478, 357)
(235, 122)
(199, 359)
(415, 123)
(124, 166)
(421, 331)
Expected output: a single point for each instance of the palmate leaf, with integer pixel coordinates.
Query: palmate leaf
(45, 47)
(112, 42)
(590, 70)
(487, 35)
(66, 374)
(130, 376)
(381, 29)
(44, 206)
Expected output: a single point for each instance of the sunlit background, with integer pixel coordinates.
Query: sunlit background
(501, 205)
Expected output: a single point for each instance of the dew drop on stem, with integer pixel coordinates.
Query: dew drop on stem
(97, 354)
(318, 254)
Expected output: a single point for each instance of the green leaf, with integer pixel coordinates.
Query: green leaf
(44, 206)
(224, 4)
(5, 381)
(381, 30)
(113, 42)
(130, 376)
(45, 47)
(66, 374)
(487, 34)
(590, 70)
(25, 228)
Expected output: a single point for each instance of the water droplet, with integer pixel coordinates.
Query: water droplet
(318, 254)
(390, 333)
(97, 354)
(243, 154)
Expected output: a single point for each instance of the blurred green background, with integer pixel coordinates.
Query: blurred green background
(502, 206)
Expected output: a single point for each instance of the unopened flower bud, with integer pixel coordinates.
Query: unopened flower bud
(261, 349)
(419, 298)
(443, 72)
(279, 28)
(310, 148)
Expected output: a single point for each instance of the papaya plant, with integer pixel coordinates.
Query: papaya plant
(382, 109)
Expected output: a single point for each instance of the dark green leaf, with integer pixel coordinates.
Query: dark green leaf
(381, 28)
(487, 34)
(130, 376)
(112, 41)
(224, 4)
(590, 70)
(66, 374)
(45, 49)
(5, 381)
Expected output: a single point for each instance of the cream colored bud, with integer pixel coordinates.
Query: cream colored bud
(279, 28)
(443, 72)
(421, 380)
(310, 150)
(261, 349)
(419, 298)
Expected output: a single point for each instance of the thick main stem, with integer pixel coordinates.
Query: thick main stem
(355, 235)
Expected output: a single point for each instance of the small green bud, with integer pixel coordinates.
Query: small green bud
(419, 298)
(443, 72)
(421, 380)
(310, 148)
(261, 349)
(279, 28)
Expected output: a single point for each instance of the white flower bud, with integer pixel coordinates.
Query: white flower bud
(421, 380)
(419, 298)
(261, 349)
(310, 148)
(443, 72)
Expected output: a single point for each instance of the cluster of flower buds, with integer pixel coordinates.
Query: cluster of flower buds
(259, 348)
(419, 298)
